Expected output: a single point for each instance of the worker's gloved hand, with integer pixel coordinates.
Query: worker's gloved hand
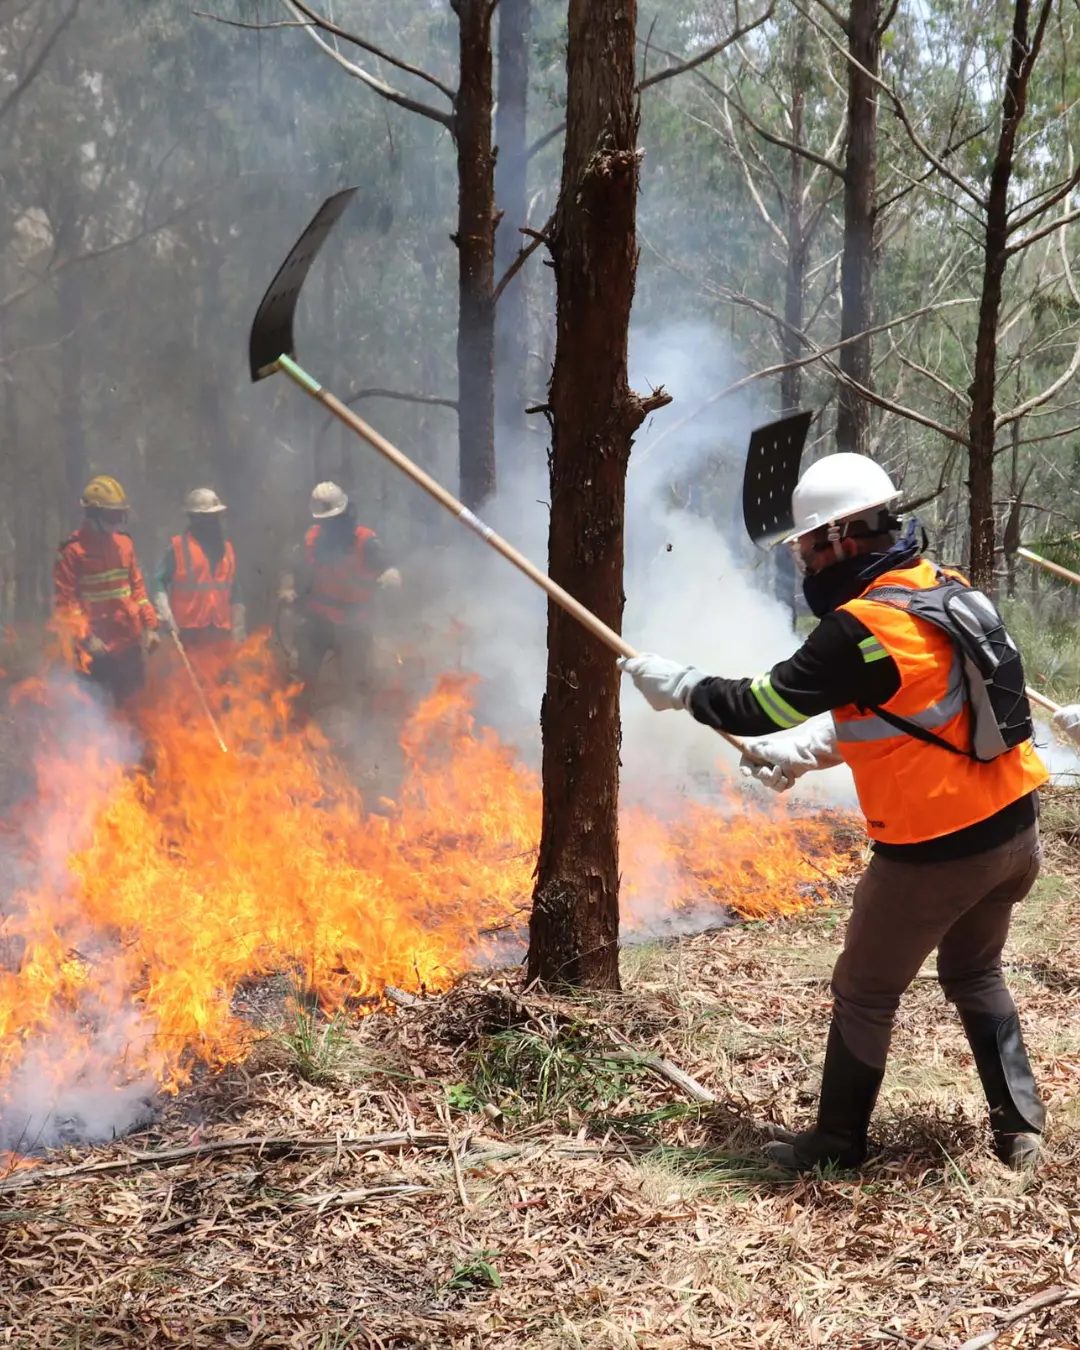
(390, 578)
(95, 646)
(665, 684)
(787, 757)
(164, 611)
(1066, 722)
(153, 640)
(239, 624)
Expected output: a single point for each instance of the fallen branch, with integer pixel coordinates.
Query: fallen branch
(1049, 1299)
(268, 1146)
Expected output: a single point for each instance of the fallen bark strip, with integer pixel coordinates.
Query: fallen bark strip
(664, 1067)
(266, 1146)
(1050, 1299)
(342, 1199)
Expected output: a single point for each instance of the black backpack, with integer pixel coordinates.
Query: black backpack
(992, 667)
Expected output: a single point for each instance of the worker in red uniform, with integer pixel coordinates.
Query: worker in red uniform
(334, 579)
(195, 587)
(100, 597)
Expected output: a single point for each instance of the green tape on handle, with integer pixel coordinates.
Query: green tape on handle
(306, 382)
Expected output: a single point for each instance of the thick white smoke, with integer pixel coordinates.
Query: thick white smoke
(74, 1080)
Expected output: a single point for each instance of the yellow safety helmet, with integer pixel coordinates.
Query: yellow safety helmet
(105, 493)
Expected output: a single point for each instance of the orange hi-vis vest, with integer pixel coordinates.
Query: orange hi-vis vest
(911, 790)
(99, 589)
(200, 596)
(342, 588)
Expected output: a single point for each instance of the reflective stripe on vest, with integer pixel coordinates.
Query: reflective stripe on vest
(341, 589)
(911, 790)
(201, 597)
(937, 715)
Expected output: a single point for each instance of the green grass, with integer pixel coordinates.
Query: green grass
(318, 1047)
(534, 1077)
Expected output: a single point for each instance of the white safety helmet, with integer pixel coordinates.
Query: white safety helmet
(203, 502)
(837, 488)
(328, 500)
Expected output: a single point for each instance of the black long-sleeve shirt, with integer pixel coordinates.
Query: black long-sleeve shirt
(841, 663)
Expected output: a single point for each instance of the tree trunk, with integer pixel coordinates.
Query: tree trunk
(475, 240)
(981, 425)
(795, 280)
(860, 188)
(511, 334)
(71, 390)
(574, 930)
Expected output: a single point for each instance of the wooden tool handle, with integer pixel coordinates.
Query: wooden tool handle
(562, 598)
(1048, 566)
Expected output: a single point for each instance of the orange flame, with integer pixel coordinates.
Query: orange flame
(158, 890)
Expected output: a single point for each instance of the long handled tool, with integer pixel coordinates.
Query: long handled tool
(272, 349)
(199, 690)
(1047, 565)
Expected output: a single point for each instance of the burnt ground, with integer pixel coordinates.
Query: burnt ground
(492, 1169)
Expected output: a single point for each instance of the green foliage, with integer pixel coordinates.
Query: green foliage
(534, 1077)
(476, 1272)
(318, 1046)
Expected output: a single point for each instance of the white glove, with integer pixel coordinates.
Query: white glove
(164, 611)
(391, 577)
(665, 684)
(1066, 722)
(789, 757)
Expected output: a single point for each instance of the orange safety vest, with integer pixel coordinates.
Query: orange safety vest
(341, 589)
(911, 790)
(201, 596)
(99, 588)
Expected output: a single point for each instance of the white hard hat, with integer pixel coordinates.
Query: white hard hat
(836, 488)
(203, 502)
(328, 500)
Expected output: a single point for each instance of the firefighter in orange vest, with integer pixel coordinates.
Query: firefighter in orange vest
(955, 839)
(334, 580)
(196, 590)
(100, 598)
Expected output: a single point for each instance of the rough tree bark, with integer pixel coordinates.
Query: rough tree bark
(574, 930)
(475, 242)
(511, 339)
(797, 241)
(982, 431)
(864, 32)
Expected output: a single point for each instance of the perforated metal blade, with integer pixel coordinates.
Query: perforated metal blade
(272, 330)
(772, 470)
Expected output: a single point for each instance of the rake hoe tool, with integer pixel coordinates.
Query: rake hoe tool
(199, 690)
(1047, 565)
(772, 470)
(272, 349)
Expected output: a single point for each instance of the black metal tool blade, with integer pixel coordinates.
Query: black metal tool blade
(772, 470)
(272, 329)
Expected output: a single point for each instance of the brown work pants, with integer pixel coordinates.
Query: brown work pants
(904, 910)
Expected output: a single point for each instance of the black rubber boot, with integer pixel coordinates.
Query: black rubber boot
(1017, 1115)
(849, 1090)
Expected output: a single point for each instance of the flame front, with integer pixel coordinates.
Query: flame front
(158, 887)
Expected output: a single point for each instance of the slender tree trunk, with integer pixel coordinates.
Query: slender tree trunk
(981, 425)
(475, 240)
(71, 382)
(574, 930)
(795, 280)
(860, 188)
(511, 331)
